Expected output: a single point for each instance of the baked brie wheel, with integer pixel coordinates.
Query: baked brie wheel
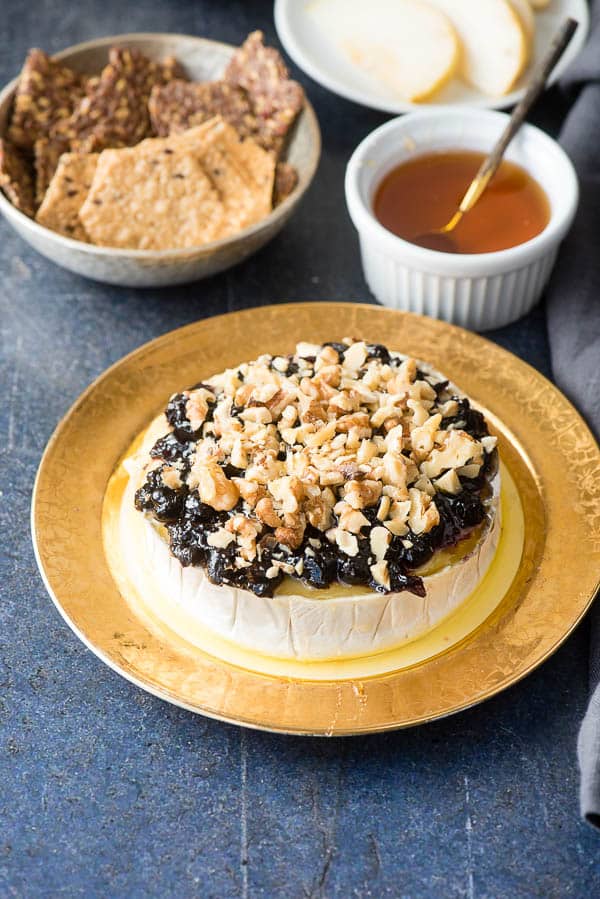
(332, 503)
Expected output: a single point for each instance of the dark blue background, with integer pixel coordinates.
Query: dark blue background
(109, 792)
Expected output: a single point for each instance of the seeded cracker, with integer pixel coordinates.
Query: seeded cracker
(114, 112)
(46, 95)
(46, 153)
(259, 164)
(180, 105)
(67, 191)
(241, 171)
(15, 178)
(151, 198)
(181, 191)
(275, 99)
(286, 179)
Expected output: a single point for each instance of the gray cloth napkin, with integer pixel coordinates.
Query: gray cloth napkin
(573, 307)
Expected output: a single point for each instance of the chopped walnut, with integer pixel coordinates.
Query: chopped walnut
(321, 436)
(394, 467)
(315, 439)
(265, 510)
(366, 451)
(423, 437)
(449, 408)
(331, 478)
(328, 355)
(379, 540)
(423, 515)
(354, 420)
(351, 471)
(343, 402)
(449, 482)
(214, 487)
(308, 349)
(398, 513)
(384, 508)
(319, 510)
(362, 494)
(381, 575)
(407, 371)
(469, 471)
(243, 394)
(348, 543)
(245, 530)
(312, 411)
(258, 414)
(196, 407)
(279, 403)
(265, 467)
(355, 356)
(171, 478)
(350, 519)
(330, 375)
(457, 449)
(291, 537)
(425, 485)
(250, 491)
(288, 493)
(489, 443)
(263, 393)
(220, 538)
(420, 413)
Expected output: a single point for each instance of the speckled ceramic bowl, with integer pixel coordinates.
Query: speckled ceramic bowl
(204, 60)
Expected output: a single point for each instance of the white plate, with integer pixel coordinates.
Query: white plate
(317, 54)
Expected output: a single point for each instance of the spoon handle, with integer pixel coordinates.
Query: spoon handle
(536, 85)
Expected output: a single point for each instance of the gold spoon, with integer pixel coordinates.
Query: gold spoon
(440, 239)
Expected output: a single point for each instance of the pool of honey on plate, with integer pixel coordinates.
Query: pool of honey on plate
(422, 194)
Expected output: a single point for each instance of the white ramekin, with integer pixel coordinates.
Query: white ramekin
(478, 291)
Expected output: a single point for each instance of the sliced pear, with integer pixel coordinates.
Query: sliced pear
(494, 42)
(525, 13)
(406, 45)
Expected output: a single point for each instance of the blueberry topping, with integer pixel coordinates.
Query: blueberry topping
(466, 419)
(163, 502)
(177, 418)
(378, 351)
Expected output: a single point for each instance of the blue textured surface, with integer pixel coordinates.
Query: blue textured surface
(108, 792)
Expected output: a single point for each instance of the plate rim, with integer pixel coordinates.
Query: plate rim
(295, 50)
(167, 694)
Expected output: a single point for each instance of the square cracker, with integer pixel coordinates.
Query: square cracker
(46, 95)
(183, 191)
(151, 198)
(114, 112)
(276, 99)
(16, 179)
(235, 167)
(66, 193)
(243, 178)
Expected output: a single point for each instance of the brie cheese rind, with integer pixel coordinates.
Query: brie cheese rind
(296, 626)
(310, 624)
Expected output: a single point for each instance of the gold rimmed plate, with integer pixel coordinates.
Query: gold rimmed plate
(551, 456)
